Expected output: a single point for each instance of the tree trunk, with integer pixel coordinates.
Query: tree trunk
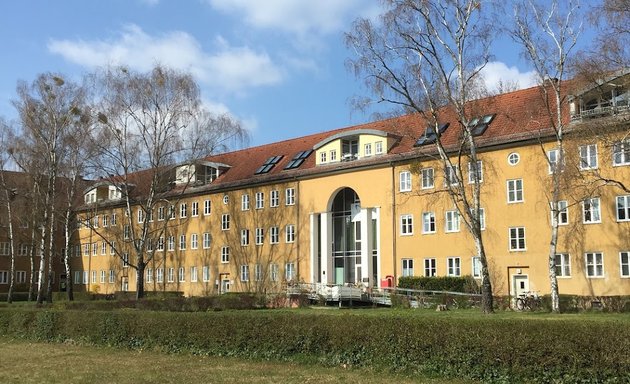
(11, 246)
(66, 255)
(140, 279)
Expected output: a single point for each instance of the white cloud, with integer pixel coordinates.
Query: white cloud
(234, 69)
(300, 17)
(497, 73)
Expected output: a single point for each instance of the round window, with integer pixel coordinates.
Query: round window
(226, 199)
(514, 158)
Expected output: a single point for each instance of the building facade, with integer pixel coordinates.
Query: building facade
(368, 204)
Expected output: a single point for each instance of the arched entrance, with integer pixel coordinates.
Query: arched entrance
(345, 241)
(346, 228)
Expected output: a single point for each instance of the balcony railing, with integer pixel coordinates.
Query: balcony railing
(600, 112)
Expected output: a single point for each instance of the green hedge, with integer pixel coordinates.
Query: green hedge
(487, 348)
(466, 284)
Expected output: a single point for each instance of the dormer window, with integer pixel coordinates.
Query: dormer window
(90, 197)
(349, 149)
(114, 193)
(199, 173)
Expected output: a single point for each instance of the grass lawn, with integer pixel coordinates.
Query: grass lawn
(27, 362)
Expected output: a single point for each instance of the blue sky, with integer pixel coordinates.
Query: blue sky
(277, 65)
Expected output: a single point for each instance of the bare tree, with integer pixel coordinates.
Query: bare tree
(147, 123)
(8, 196)
(425, 56)
(48, 108)
(548, 33)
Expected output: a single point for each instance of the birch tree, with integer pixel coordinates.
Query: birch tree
(7, 198)
(425, 56)
(145, 124)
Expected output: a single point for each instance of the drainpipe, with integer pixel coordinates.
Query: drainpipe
(393, 184)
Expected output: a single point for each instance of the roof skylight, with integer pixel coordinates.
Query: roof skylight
(268, 165)
(298, 159)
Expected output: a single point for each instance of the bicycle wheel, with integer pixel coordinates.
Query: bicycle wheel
(520, 304)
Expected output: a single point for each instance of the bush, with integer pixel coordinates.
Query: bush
(465, 284)
(489, 349)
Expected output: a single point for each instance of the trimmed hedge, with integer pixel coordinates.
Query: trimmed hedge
(465, 284)
(487, 348)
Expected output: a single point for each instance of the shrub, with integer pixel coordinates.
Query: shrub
(485, 348)
(465, 284)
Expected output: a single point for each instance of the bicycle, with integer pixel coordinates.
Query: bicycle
(529, 300)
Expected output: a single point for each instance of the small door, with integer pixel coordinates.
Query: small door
(225, 286)
(521, 285)
(125, 284)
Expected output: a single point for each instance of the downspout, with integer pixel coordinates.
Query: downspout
(393, 189)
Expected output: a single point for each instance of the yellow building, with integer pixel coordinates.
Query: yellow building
(362, 204)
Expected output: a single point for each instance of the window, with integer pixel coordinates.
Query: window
(95, 220)
(245, 203)
(86, 249)
(289, 271)
(594, 264)
(322, 157)
(125, 260)
(244, 272)
(4, 249)
(85, 277)
(171, 212)
(378, 147)
(554, 160)
(159, 275)
(181, 275)
(171, 243)
(367, 149)
(623, 208)
(258, 272)
(273, 272)
(427, 178)
(149, 245)
(588, 156)
(451, 177)
(513, 158)
(563, 265)
(621, 153)
(150, 215)
(149, 275)
(170, 275)
(428, 222)
(624, 264)
(591, 211)
(105, 221)
(290, 196)
(517, 239)
(244, 237)
(476, 267)
(94, 249)
(226, 199)
(454, 266)
(289, 233)
(182, 242)
(452, 221)
(193, 274)
(406, 225)
(482, 219)
(103, 248)
(225, 222)
(475, 172)
(515, 191)
(274, 200)
(113, 219)
(205, 273)
(194, 241)
(407, 267)
(195, 209)
(126, 232)
(140, 216)
(160, 244)
(333, 155)
(206, 240)
(225, 254)
(77, 277)
(207, 208)
(160, 213)
(260, 236)
(260, 200)
(274, 235)
(563, 213)
(112, 248)
(405, 181)
(183, 210)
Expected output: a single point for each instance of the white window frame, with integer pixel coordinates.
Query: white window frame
(563, 213)
(274, 235)
(258, 272)
(517, 239)
(260, 236)
(624, 264)
(289, 271)
(260, 200)
(193, 274)
(430, 267)
(515, 191)
(274, 198)
(273, 272)
(207, 207)
(170, 275)
(367, 149)
(378, 148)
(245, 202)
(171, 243)
(225, 222)
(244, 237)
(406, 224)
(588, 156)
(451, 176)
(454, 266)
(429, 224)
(427, 178)
(289, 196)
(591, 211)
(194, 241)
(514, 158)
(621, 153)
(289, 233)
(562, 262)
(407, 267)
(205, 273)
(225, 254)
(322, 157)
(404, 181)
(452, 222)
(183, 210)
(592, 264)
(181, 275)
(206, 240)
(554, 160)
(622, 208)
(159, 275)
(182, 242)
(333, 155)
(475, 267)
(194, 209)
(471, 171)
